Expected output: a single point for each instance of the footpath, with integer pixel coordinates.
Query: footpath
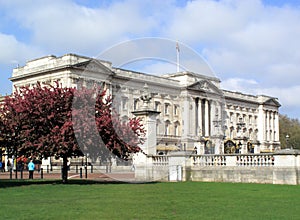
(113, 176)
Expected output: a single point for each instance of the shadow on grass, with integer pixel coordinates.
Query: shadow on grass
(4, 183)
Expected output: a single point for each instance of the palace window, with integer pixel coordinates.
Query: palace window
(176, 129)
(135, 104)
(250, 134)
(157, 106)
(255, 119)
(250, 119)
(167, 106)
(167, 127)
(157, 126)
(176, 109)
(231, 117)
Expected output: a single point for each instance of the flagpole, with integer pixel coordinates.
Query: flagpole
(177, 56)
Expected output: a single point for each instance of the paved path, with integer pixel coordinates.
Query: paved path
(116, 176)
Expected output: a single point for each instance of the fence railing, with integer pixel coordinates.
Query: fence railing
(160, 160)
(241, 160)
(209, 160)
(255, 160)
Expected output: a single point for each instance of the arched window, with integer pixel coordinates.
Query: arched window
(176, 128)
(167, 127)
(135, 104)
(157, 106)
(158, 124)
(167, 108)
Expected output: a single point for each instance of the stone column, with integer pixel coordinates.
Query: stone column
(268, 125)
(276, 126)
(272, 126)
(149, 123)
(142, 161)
(193, 119)
(206, 107)
(261, 119)
(196, 115)
(186, 121)
(200, 130)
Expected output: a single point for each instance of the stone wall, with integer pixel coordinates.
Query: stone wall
(262, 175)
(247, 168)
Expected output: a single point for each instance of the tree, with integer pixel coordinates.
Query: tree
(46, 121)
(290, 127)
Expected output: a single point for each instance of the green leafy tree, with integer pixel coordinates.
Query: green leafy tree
(290, 127)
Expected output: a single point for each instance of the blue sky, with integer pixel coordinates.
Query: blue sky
(252, 45)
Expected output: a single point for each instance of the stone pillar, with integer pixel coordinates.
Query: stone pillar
(142, 161)
(206, 107)
(149, 122)
(186, 121)
(193, 119)
(196, 116)
(276, 126)
(200, 130)
(261, 118)
(268, 125)
(148, 117)
(272, 126)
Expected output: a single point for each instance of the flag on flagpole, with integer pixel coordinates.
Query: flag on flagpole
(177, 47)
(177, 56)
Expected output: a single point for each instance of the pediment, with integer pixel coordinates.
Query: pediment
(97, 66)
(272, 102)
(205, 86)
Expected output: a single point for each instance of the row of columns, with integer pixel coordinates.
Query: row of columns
(202, 116)
(200, 121)
(272, 126)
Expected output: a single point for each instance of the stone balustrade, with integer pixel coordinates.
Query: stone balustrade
(209, 160)
(272, 168)
(160, 160)
(255, 160)
(244, 160)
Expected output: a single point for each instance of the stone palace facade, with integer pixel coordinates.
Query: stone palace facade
(195, 114)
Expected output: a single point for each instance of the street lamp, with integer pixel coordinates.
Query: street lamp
(86, 164)
(287, 138)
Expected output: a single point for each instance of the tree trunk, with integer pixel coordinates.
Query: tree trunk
(65, 170)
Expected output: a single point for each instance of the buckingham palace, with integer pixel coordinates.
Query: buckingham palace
(195, 114)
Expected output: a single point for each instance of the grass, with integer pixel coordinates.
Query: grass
(186, 200)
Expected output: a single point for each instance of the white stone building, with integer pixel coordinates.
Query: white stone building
(195, 114)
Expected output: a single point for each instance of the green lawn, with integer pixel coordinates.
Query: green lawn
(187, 200)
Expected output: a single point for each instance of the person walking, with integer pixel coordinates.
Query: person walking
(8, 165)
(31, 169)
(3, 166)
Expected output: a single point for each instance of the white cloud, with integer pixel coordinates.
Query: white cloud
(287, 96)
(243, 38)
(245, 42)
(155, 68)
(249, 86)
(210, 21)
(13, 51)
(66, 26)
